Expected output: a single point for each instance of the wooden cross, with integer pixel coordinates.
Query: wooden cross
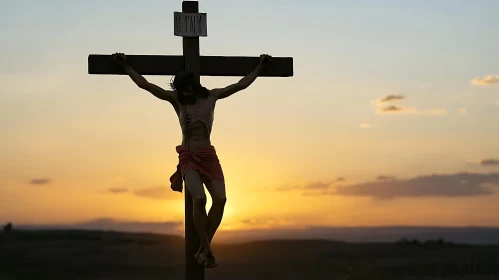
(201, 66)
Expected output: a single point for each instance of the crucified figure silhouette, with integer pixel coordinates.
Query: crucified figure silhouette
(198, 161)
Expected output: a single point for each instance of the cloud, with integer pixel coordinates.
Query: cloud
(40, 181)
(265, 222)
(392, 108)
(454, 185)
(392, 97)
(410, 111)
(118, 190)
(365, 125)
(463, 111)
(288, 188)
(385, 178)
(395, 109)
(315, 185)
(489, 162)
(388, 99)
(485, 162)
(488, 80)
(161, 193)
(258, 223)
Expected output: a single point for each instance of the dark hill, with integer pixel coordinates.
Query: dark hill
(73, 254)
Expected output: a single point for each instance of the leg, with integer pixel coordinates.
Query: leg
(217, 192)
(195, 187)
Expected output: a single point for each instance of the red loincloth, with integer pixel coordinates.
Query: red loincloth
(204, 160)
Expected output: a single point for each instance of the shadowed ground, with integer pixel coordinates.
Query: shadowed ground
(113, 255)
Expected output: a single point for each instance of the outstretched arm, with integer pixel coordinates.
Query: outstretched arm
(245, 82)
(141, 82)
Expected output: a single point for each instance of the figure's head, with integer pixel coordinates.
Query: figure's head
(188, 88)
(184, 82)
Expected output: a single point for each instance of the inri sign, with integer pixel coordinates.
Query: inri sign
(190, 24)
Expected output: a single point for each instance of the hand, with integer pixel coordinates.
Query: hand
(265, 60)
(119, 58)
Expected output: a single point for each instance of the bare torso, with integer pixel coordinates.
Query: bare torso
(196, 135)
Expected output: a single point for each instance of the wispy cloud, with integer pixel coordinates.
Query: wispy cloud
(484, 162)
(314, 185)
(288, 188)
(317, 185)
(489, 162)
(40, 181)
(454, 185)
(118, 190)
(392, 97)
(266, 222)
(161, 193)
(486, 81)
(393, 109)
(397, 109)
(385, 178)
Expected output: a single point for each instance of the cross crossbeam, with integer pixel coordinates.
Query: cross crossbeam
(172, 64)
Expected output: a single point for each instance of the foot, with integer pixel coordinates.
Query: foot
(206, 259)
(196, 256)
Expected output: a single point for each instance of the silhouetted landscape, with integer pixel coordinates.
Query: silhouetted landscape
(355, 234)
(79, 254)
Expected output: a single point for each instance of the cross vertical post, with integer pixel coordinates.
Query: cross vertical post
(193, 271)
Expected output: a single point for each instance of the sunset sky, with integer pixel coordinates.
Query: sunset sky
(391, 117)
